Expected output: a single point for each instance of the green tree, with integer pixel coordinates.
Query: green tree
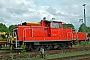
(68, 26)
(11, 27)
(88, 29)
(3, 28)
(82, 28)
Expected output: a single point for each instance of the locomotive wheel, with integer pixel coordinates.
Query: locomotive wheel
(62, 46)
(35, 48)
(59, 47)
(28, 47)
(48, 47)
(55, 46)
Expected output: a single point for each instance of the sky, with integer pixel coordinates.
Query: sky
(67, 11)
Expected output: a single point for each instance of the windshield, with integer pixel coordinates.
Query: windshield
(55, 25)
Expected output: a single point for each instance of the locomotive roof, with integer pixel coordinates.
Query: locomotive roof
(53, 21)
(27, 23)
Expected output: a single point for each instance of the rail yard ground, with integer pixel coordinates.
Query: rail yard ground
(77, 52)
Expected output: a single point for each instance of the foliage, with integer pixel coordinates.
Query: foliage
(68, 26)
(11, 55)
(88, 42)
(11, 27)
(23, 51)
(82, 28)
(88, 29)
(3, 28)
(84, 42)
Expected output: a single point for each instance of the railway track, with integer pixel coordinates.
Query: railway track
(52, 51)
(49, 52)
(78, 57)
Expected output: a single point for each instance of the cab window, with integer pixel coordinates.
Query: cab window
(55, 25)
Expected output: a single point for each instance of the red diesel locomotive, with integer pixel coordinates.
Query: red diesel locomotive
(46, 34)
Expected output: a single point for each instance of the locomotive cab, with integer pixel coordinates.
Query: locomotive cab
(51, 24)
(56, 24)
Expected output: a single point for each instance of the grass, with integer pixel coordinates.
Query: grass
(59, 55)
(89, 43)
(5, 50)
(67, 54)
